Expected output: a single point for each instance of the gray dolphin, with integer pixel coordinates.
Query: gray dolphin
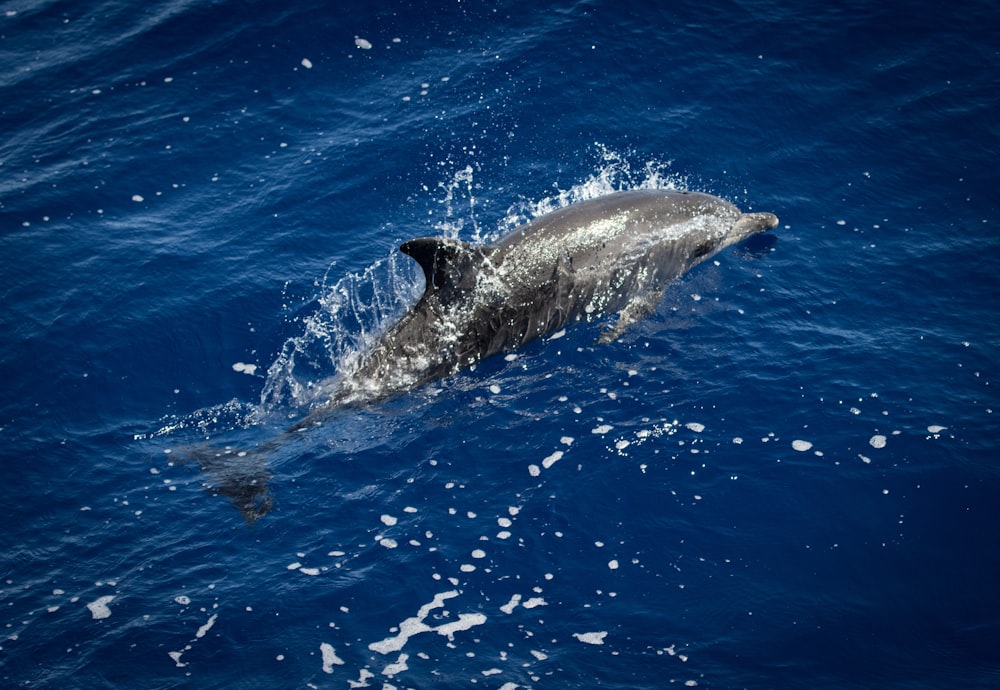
(615, 253)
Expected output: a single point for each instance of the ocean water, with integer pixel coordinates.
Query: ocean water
(786, 477)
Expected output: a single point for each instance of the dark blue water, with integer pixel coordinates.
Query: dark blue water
(787, 476)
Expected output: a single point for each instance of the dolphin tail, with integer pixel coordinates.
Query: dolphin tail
(240, 476)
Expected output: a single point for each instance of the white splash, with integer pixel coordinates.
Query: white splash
(244, 368)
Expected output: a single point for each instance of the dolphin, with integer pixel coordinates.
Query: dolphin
(615, 253)
(612, 254)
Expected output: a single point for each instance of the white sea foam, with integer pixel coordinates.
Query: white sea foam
(329, 657)
(591, 637)
(99, 608)
(207, 626)
(416, 625)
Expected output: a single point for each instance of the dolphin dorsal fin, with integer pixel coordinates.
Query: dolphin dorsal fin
(445, 262)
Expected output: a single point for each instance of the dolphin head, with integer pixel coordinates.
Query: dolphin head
(746, 225)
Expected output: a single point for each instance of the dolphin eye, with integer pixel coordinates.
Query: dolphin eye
(702, 249)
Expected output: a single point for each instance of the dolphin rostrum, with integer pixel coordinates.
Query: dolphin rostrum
(615, 253)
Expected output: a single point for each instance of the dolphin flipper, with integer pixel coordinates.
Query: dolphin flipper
(638, 308)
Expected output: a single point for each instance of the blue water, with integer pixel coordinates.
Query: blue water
(786, 477)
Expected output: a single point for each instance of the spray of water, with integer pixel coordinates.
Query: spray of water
(352, 311)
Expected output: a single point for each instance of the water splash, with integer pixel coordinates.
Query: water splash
(349, 315)
(615, 171)
(353, 311)
(206, 422)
